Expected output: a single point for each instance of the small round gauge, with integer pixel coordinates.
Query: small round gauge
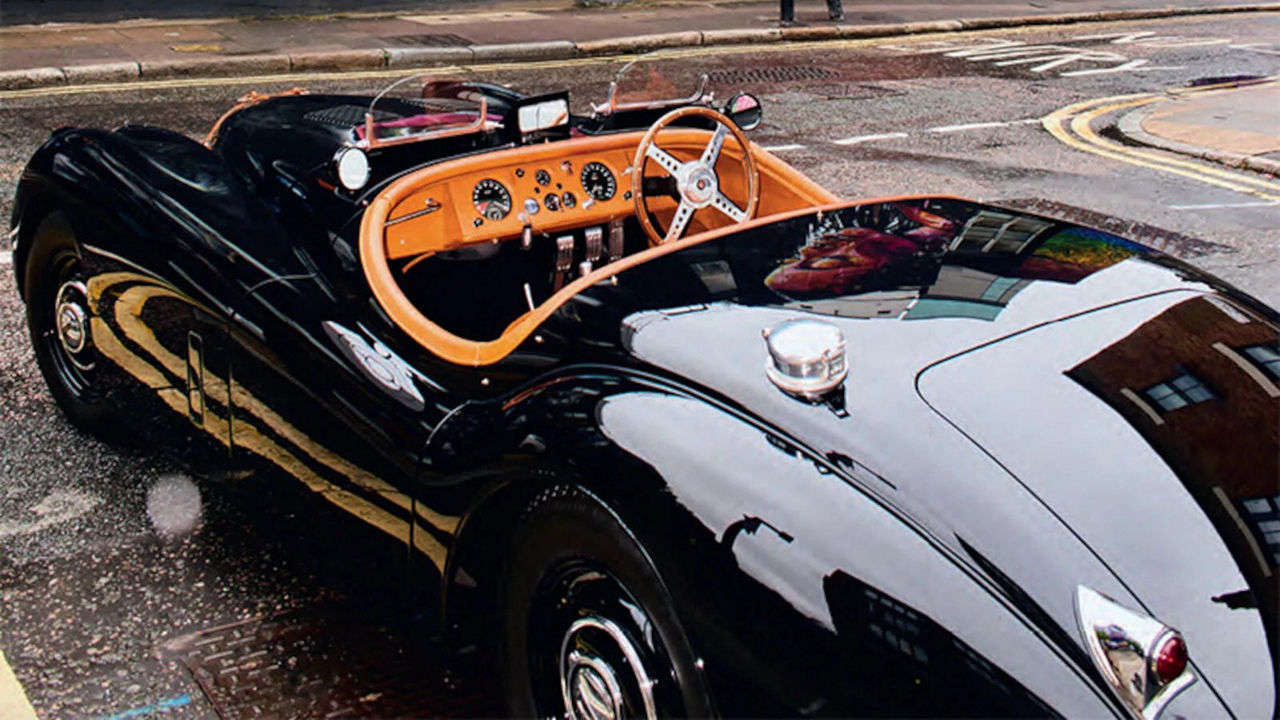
(491, 199)
(568, 199)
(598, 181)
(552, 201)
(543, 177)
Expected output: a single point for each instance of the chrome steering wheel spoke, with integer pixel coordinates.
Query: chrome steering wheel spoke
(722, 203)
(679, 221)
(664, 159)
(712, 152)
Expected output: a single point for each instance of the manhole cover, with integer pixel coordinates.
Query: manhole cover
(322, 665)
(774, 74)
(431, 40)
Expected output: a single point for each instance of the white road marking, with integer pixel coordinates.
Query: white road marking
(869, 138)
(1044, 58)
(1218, 206)
(57, 507)
(1139, 65)
(6, 257)
(982, 125)
(782, 148)
(1258, 47)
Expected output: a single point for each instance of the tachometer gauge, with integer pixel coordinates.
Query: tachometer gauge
(598, 181)
(491, 199)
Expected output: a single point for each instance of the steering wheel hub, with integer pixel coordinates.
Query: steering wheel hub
(698, 184)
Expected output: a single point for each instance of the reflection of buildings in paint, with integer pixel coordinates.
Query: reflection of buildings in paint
(957, 292)
(1188, 382)
(988, 231)
(888, 304)
(965, 292)
(1264, 514)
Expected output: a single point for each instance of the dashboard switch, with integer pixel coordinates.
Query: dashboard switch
(595, 243)
(616, 245)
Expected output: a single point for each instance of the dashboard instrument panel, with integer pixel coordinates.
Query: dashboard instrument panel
(495, 203)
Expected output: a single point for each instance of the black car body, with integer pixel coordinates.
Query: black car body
(586, 440)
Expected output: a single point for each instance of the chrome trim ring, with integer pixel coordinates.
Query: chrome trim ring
(71, 319)
(593, 689)
(589, 684)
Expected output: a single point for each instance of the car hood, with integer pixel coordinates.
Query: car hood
(992, 399)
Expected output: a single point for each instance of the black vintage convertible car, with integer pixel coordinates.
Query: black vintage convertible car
(679, 430)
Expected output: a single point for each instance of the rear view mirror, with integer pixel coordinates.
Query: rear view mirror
(744, 110)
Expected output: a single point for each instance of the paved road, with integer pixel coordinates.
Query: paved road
(114, 567)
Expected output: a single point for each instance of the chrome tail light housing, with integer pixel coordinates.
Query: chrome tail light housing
(1143, 660)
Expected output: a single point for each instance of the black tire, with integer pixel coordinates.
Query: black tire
(585, 609)
(54, 273)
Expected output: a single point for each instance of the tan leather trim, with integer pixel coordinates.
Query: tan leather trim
(477, 353)
(411, 233)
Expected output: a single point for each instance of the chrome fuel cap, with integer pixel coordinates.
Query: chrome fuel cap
(806, 357)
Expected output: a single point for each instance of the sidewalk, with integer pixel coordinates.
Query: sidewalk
(1239, 128)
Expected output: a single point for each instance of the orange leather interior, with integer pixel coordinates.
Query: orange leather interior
(431, 210)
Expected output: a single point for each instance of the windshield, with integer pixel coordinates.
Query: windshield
(647, 82)
(418, 107)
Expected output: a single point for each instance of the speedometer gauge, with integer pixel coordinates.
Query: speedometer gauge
(491, 199)
(598, 182)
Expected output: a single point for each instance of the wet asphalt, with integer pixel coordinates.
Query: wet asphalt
(113, 561)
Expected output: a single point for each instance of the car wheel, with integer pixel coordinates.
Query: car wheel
(58, 315)
(590, 633)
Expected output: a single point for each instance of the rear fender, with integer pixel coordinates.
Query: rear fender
(786, 570)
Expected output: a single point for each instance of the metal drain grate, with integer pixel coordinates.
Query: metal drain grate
(322, 665)
(773, 74)
(345, 116)
(431, 40)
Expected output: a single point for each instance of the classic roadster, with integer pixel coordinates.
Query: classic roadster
(693, 434)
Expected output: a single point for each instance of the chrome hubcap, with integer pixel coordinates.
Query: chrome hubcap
(594, 693)
(71, 320)
(591, 686)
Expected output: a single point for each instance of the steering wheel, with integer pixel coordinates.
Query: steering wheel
(697, 183)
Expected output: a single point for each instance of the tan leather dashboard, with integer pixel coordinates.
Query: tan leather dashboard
(414, 228)
(431, 210)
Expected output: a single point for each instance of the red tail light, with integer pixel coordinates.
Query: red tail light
(1143, 660)
(1170, 658)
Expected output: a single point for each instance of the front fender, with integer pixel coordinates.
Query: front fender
(155, 198)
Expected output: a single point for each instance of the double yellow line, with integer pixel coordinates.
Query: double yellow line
(1073, 126)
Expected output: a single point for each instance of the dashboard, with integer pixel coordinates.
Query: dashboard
(497, 202)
